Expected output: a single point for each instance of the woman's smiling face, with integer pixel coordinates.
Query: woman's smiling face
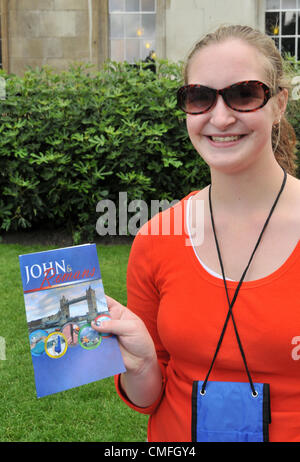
(226, 139)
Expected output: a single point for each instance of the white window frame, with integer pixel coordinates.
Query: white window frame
(296, 37)
(141, 38)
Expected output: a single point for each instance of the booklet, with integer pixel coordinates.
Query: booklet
(63, 293)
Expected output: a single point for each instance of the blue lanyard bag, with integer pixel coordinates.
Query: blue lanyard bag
(232, 411)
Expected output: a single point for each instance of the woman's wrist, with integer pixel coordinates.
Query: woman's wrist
(143, 386)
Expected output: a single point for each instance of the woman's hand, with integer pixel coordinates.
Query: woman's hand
(142, 381)
(135, 342)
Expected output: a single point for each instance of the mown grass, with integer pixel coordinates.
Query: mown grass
(93, 412)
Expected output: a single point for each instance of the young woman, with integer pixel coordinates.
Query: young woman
(181, 286)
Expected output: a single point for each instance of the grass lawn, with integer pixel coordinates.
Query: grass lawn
(92, 412)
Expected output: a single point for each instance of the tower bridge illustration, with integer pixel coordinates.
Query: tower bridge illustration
(63, 316)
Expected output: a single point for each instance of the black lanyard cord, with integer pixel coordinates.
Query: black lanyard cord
(237, 290)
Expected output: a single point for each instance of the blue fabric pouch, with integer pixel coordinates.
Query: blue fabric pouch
(229, 412)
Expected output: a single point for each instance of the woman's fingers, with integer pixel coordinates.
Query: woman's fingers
(122, 320)
(134, 339)
(115, 308)
(114, 326)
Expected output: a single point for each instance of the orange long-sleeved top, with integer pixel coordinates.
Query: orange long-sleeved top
(184, 308)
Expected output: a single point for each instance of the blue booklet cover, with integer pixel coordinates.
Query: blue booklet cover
(63, 293)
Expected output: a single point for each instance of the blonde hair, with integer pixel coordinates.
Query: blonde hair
(283, 134)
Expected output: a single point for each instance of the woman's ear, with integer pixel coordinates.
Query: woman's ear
(281, 103)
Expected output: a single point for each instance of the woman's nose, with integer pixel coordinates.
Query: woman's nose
(221, 115)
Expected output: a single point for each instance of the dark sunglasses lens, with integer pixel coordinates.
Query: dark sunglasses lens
(196, 99)
(246, 96)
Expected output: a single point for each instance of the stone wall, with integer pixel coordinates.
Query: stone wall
(188, 20)
(53, 32)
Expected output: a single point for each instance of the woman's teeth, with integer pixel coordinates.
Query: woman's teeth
(225, 138)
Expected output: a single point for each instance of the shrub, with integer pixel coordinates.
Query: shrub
(71, 139)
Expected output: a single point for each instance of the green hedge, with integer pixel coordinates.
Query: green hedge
(71, 139)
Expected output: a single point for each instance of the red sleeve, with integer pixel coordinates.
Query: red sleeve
(143, 299)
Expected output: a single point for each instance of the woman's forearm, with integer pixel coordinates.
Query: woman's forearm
(143, 388)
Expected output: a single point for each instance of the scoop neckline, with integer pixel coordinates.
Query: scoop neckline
(233, 284)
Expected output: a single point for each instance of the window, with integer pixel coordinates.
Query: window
(282, 22)
(132, 27)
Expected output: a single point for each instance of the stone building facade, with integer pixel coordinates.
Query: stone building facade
(58, 32)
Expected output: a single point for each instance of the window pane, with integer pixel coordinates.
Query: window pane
(148, 5)
(132, 5)
(273, 4)
(116, 25)
(148, 24)
(147, 48)
(288, 46)
(117, 50)
(132, 25)
(272, 23)
(132, 50)
(288, 4)
(116, 5)
(288, 21)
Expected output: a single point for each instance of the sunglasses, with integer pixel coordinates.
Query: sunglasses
(246, 96)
